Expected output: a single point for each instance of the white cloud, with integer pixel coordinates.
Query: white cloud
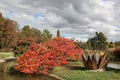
(79, 18)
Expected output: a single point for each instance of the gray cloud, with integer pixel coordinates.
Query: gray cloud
(79, 18)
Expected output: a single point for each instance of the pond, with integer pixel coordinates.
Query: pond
(5, 76)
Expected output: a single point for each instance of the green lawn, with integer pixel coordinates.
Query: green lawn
(5, 54)
(76, 71)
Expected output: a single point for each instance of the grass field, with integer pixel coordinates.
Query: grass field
(76, 71)
(5, 54)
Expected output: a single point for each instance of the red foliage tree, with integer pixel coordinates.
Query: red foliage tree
(42, 58)
(64, 47)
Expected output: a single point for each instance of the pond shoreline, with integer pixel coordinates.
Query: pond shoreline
(54, 76)
(3, 70)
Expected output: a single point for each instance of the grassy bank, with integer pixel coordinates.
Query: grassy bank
(76, 71)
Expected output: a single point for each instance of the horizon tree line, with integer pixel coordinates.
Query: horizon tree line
(14, 39)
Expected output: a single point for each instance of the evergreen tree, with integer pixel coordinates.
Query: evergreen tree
(98, 42)
(58, 33)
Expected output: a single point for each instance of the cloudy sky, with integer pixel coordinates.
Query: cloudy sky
(78, 19)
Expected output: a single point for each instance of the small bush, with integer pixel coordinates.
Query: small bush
(116, 54)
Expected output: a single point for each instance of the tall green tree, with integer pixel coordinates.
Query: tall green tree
(26, 32)
(36, 33)
(98, 42)
(46, 35)
(58, 33)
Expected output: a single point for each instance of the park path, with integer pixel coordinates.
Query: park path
(113, 65)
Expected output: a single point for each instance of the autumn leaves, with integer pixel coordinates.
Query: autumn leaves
(42, 58)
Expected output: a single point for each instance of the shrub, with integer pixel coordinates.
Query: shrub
(116, 54)
(42, 58)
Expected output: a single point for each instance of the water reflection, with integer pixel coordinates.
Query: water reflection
(5, 76)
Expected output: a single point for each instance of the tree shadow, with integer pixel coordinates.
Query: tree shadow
(113, 69)
(76, 68)
(70, 60)
(82, 68)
